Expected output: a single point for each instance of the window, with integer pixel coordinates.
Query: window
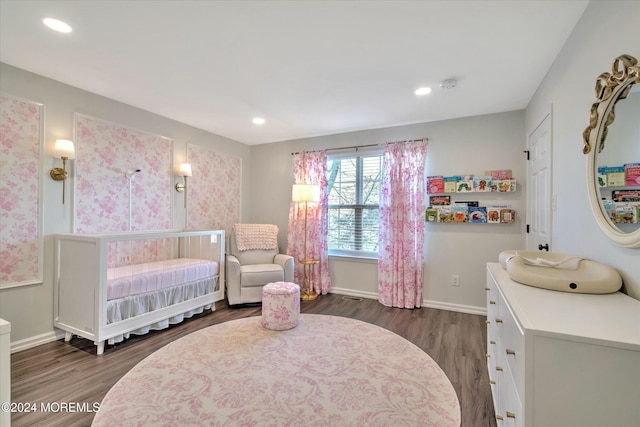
(354, 194)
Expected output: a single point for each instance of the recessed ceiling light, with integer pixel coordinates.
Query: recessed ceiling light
(57, 25)
(258, 121)
(422, 91)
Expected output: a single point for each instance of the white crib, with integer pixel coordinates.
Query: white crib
(108, 286)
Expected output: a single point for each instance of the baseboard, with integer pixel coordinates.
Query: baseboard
(354, 293)
(27, 343)
(469, 309)
(31, 342)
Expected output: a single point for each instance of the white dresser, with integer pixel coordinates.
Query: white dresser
(558, 359)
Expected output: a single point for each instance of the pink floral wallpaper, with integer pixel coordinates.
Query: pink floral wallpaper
(20, 225)
(128, 252)
(104, 153)
(214, 190)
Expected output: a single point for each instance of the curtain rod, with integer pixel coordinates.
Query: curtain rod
(356, 147)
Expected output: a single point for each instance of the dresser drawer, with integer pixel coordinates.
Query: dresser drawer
(492, 356)
(492, 294)
(511, 346)
(493, 335)
(492, 314)
(496, 379)
(510, 407)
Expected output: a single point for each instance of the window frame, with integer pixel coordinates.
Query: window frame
(359, 154)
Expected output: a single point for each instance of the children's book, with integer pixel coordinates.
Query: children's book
(616, 176)
(444, 214)
(451, 183)
(624, 214)
(482, 183)
(507, 216)
(468, 203)
(602, 176)
(505, 185)
(459, 213)
(499, 174)
(609, 206)
(477, 214)
(632, 174)
(465, 185)
(625, 195)
(439, 200)
(494, 213)
(435, 184)
(431, 215)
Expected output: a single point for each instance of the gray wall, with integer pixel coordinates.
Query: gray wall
(460, 146)
(606, 30)
(30, 308)
(468, 145)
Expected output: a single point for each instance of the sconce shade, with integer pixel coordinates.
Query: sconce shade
(305, 193)
(185, 169)
(64, 148)
(181, 187)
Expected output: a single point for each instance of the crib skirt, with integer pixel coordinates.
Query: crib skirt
(131, 306)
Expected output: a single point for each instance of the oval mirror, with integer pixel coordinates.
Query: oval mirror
(612, 143)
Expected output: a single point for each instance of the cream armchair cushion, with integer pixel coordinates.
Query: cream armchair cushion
(249, 270)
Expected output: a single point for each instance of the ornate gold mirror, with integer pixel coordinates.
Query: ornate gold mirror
(613, 152)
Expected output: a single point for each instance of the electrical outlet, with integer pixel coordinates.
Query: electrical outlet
(455, 280)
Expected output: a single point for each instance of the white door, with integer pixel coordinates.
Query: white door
(539, 187)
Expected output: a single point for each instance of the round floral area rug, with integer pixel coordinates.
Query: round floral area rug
(327, 371)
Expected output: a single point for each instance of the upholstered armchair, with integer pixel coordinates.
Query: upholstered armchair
(253, 261)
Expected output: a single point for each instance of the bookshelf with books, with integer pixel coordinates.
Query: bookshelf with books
(446, 205)
(620, 194)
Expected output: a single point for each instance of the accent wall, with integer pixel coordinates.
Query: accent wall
(20, 219)
(110, 137)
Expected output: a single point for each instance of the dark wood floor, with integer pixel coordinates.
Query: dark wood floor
(60, 372)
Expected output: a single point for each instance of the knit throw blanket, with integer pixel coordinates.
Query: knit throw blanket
(256, 236)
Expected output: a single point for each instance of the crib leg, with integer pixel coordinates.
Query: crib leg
(100, 347)
(67, 336)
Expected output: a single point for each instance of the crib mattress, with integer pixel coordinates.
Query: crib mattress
(154, 276)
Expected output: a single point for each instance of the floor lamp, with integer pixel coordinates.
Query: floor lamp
(305, 193)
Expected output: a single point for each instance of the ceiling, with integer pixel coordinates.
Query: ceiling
(309, 68)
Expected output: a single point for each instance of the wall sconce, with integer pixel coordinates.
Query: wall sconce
(185, 171)
(63, 150)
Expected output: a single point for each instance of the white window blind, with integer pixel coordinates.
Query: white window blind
(354, 193)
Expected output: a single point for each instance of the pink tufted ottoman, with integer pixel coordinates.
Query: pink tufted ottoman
(280, 305)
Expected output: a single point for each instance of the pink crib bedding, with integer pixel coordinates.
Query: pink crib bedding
(154, 276)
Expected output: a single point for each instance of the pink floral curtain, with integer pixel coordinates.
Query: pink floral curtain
(401, 241)
(310, 168)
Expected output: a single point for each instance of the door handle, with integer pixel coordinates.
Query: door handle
(545, 247)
